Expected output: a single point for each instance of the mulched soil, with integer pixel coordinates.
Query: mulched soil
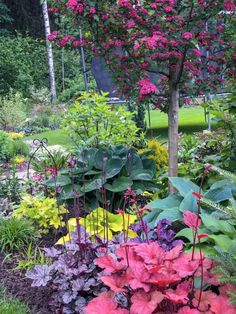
(17, 285)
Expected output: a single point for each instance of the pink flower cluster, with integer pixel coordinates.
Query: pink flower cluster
(146, 87)
(53, 10)
(75, 6)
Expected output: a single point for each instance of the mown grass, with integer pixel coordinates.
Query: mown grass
(11, 306)
(190, 120)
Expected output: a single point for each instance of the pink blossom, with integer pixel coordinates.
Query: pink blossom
(131, 24)
(169, 9)
(153, 5)
(229, 5)
(187, 35)
(146, 87)
(92, 10)
(124, 3)
(136, 46)
(197, 52)
(191, 219)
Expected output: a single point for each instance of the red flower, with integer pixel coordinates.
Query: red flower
(199, 196)
(201, 236)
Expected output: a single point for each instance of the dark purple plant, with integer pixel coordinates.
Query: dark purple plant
(162, 233)
(73, 275)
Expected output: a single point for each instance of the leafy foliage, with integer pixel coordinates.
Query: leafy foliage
(30, 257)
(44, 212)
(227, 270)
(217, 209)
(143, 278)
(112, 170)
(11, 187)
(72, 274)
(15, 234)
(92, 122)
(103, 224)
(157, 152)
(12, 111)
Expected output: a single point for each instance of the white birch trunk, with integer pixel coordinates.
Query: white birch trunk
(49, 51)
(173, 134)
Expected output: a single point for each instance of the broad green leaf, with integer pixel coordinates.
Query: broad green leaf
(171, 214)
(119, 185)
(183, 185)
(219, 195)
(222, 241)
(141, 174)
(113, 167)
(92, 186)
(189, 203)
(168, 202)
(60, 180)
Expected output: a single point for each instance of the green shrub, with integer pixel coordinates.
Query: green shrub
(15, 234)
(11, 187)
(12, 111)
(92, 122)
(5, 146)
(44, 213)
(157, 152)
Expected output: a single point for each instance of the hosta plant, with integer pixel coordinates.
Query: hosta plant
(217, 204)
(102, 223)
(100, 176)
(44, 213)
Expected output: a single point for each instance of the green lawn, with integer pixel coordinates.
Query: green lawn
(190, 120)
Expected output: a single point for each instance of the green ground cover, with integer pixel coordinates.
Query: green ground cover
(11, 306)
(190, 120)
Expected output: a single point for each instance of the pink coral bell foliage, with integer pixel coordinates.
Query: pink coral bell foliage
(155, 281)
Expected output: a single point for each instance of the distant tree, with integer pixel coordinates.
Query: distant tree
(5, 18)
(49, 50)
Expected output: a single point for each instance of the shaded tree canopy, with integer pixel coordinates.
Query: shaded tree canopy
(25, 16)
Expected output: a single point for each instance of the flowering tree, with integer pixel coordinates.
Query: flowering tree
(156, 48)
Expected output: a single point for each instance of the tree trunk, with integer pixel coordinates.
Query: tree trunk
(173, 133)
(49, 51)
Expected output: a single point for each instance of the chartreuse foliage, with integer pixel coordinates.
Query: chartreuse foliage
(43, 212)
(102, 223)
(218, 209)
(115, 169)
(157, 152)
(92, 122)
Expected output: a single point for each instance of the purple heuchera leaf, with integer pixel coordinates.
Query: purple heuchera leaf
(51, 252)
(80, 304)
(40, 275)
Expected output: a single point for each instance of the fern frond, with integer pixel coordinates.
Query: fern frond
(225, 209)
(224, 173)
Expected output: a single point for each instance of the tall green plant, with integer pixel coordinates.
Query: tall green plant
(92, 122)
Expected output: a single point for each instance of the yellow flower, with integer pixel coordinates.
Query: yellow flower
(19, 159)
(16, 136)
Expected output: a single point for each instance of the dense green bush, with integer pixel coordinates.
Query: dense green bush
(10, 148)
(12, 111)
(92, 122)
